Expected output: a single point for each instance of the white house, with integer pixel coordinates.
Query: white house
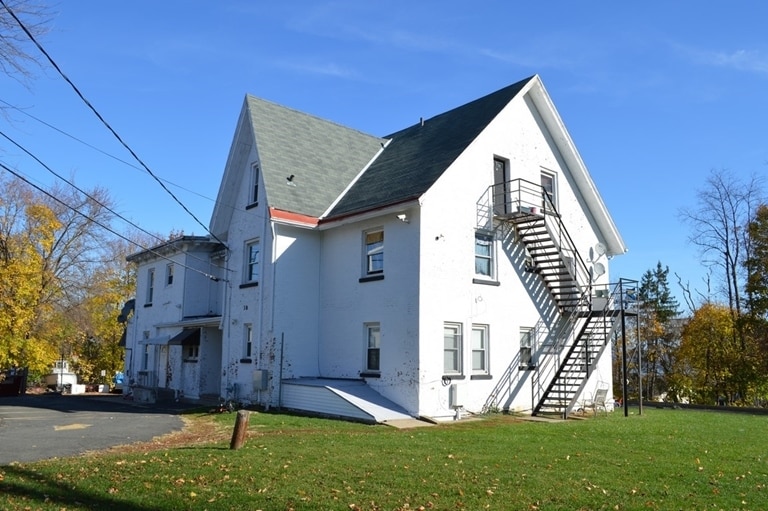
(457, 266)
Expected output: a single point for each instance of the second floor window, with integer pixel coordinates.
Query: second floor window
(248, 347)
(150, 285)
(484, 255)
(252, 253)
(169, 274)
(374, 252)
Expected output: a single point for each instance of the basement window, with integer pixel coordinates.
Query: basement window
(526, 349)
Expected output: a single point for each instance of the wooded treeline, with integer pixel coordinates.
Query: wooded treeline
(716, 352)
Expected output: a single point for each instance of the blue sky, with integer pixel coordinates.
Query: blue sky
(654, 94)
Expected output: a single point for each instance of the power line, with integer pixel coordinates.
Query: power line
(126, 163)
(106, 227)
(104, 122)
(73, 185)
(49, 169)
(91, 146)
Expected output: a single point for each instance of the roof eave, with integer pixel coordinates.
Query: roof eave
(290, 218)
(609, 232)
(360, 215)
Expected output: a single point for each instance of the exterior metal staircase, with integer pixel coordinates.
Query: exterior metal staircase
(562, 376)
(570, 352)
(546, 257)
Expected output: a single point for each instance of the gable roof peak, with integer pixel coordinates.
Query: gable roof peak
(322, 156)
(418, 155)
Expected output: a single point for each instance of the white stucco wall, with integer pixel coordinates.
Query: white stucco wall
(242, 302)
(446, 280)
(296, 296)
(347, 305)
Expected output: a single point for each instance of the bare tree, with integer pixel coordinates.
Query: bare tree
(17, 53)
(726, 205)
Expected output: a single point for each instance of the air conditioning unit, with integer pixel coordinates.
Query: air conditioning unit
(600, 300)
(599, 303)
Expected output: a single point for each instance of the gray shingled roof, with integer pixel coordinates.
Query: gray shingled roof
(322, 156)
(417, 156)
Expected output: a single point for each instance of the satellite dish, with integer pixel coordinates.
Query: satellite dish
(600, 249)
(599, 269)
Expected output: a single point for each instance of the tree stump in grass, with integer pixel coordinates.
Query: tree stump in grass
(241, 428)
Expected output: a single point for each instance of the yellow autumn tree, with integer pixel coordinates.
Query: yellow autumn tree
(709, 355)
(111, 284)
(52, 250)
(26, 233)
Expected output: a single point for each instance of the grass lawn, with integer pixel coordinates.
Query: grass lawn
(664, 459)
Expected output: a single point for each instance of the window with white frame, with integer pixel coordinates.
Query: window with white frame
(484, 255)
(374, 252)
(252, 255)
(549, 188)
(150, 286)
(254, 192)
(248, 341)
(373, 347)
(480, 349)
(169, 274)
(526, 348)
(452, 348)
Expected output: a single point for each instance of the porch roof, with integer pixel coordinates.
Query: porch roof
(159, 340)
(187, 337)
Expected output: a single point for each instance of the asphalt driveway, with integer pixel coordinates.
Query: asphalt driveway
(36, 427)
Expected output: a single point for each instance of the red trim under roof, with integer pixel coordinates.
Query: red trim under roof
(295, 218)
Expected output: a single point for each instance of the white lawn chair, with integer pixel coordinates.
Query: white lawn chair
(597, 401)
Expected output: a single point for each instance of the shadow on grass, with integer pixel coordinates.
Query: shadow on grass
(41, 491)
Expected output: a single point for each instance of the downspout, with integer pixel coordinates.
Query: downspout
(227, 319)
(273, 259)
(280, 389)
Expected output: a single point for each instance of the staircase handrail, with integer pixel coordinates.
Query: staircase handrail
(613, 301)
(564, 338)
(565, 243)
(522, 196)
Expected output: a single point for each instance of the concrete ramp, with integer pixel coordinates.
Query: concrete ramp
(350, 399)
